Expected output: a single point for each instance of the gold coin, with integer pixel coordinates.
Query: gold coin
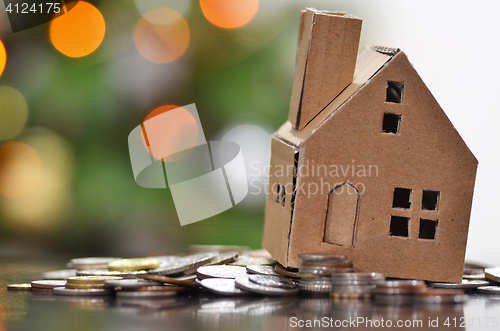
(19, 287)
(90, 279)
(133, 264)
(83, 286)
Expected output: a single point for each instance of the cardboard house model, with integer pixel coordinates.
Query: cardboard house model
(368, 164)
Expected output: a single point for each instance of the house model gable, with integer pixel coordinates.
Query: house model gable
(380, 174)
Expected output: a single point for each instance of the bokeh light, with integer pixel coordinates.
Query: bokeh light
(166, 39)
(252, 134)
(78, 32)
(20, 169)
(167, 132)
(13, 112)
(51, 199)
(3, 57)
(145, 6)
(229, 14)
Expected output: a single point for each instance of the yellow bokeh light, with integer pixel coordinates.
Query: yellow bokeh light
(165, 40)
(20, 169)
(229, 14)
(78, 32)
(51, 200)
(13, 112)
(3, 57)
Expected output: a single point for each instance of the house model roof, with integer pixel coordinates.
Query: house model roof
(369, 62)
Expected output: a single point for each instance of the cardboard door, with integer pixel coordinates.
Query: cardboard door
(341, 215)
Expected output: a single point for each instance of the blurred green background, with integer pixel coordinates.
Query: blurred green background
(76, 193)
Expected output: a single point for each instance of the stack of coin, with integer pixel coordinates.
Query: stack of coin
(435, 296)
(354, 285)
(323, 265)
(316, 270)
(398, 292)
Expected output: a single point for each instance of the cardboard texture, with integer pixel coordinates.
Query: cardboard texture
(326, 58)
(380, 175)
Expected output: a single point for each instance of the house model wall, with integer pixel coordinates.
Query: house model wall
(369, 166)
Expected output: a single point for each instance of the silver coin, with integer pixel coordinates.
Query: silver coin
(222, 286)
(262, 270)
(492, 274)
(59, 274)
(145, 294)
(45, 284)
(321, 257)
(315, 288)
(245, 284)
(221, 271)
(489, 289)
(465, 284)
(101, 272)
(185, 263)
(272, 281)
(130, 283)
(82, 292)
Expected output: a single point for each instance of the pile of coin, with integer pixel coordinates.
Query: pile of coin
(236, 271)
(355, 285)
(316, 270)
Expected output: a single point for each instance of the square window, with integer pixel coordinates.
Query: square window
(428, 229)
(402, 198)
(394, 92)
(430, 200)
(391, 123)
(399, 226)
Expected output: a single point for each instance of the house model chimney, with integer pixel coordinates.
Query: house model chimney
(326, 58)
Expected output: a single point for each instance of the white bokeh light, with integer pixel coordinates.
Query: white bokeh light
(253, 134)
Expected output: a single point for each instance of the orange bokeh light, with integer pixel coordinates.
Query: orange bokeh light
(78, 32)
(166, 39)
(229, 14)
(20, 169)
(3, 57)
(167, 135)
